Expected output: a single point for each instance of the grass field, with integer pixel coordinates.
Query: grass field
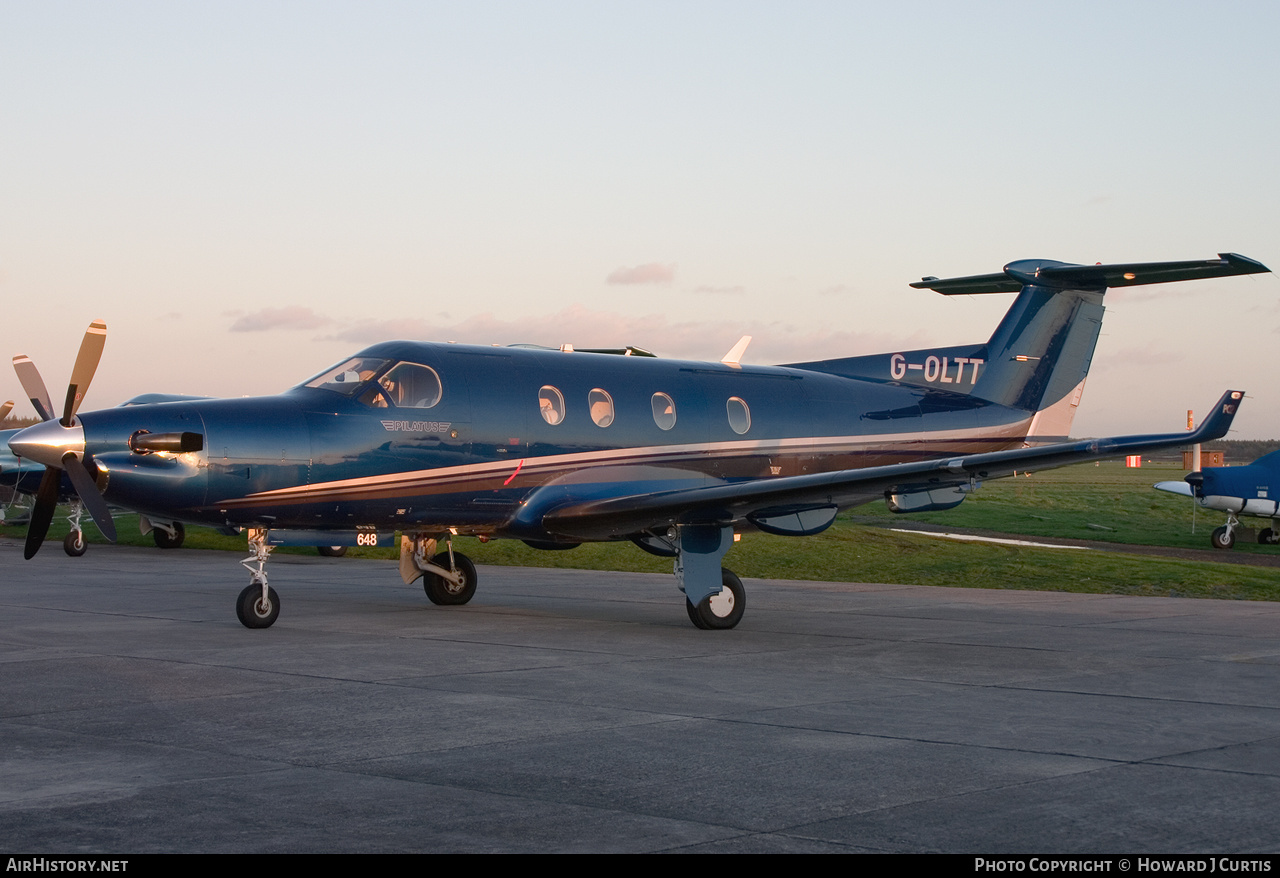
(1106, 502)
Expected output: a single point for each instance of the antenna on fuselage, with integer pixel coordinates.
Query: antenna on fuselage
(734, 357)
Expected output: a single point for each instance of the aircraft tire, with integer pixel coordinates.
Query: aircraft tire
(722, 611)
(1268, 537)
(1222, 538)
(73, 544)
(444, 593)
(694, 616)
(251, 612)
(331, 551)
(164, 541)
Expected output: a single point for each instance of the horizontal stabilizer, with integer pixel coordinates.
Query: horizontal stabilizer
(1064, 275)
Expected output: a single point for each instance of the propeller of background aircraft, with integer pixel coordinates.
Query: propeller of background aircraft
(5, 409)
(59, 445)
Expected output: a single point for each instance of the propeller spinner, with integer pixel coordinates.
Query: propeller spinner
(59, 445)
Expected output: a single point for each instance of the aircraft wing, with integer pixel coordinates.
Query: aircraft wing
(723, 504)
(1174, 488)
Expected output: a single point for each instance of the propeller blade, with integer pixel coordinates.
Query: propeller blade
(95, 338)
(89, 495)
(33, 385)
(42, 511)
(5, 409)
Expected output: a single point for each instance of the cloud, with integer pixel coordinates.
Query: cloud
(292, 317)
(649, 273)
(583, 327)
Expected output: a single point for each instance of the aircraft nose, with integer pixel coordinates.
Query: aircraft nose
(47, 442)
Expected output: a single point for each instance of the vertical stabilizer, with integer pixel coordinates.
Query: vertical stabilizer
(1040, 353)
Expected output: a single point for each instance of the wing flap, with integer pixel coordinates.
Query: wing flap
(726, 503)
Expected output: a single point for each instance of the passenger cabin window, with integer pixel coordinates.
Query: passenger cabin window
(601, 405)
(551, 405)
(409, 385)
(664, 411)
(739, 415)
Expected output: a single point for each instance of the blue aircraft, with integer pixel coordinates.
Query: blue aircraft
(556, 447)
(1236, 490)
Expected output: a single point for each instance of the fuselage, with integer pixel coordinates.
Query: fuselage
(1247, 490)
(487, 439)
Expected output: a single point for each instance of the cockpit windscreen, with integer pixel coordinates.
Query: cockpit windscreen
(397, 384)
(346, 378)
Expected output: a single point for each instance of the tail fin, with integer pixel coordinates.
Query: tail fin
(1039, 355)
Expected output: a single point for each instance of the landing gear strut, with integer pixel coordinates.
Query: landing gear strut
(258, 605)
(714, 597)
(73, 544)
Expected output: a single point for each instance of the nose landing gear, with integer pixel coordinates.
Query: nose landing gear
(258, 606)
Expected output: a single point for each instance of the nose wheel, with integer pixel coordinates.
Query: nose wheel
(73, 544)
(1225, 536)
(258, 606)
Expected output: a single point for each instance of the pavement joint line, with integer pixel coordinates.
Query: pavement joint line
(1159, 699)
(1109, 760)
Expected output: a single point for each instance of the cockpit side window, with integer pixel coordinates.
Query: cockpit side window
(346, 378)
(409, 385)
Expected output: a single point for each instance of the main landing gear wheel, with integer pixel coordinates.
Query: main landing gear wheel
(331, 551)
(253, 611)
(1268, 537)
(164, 541)
(1223, 538)
(721, 611)
(445, 593)
(73, 544)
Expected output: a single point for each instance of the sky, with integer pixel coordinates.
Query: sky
(249, 192)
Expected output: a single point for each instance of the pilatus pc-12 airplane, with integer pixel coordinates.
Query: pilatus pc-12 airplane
(556, 447)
